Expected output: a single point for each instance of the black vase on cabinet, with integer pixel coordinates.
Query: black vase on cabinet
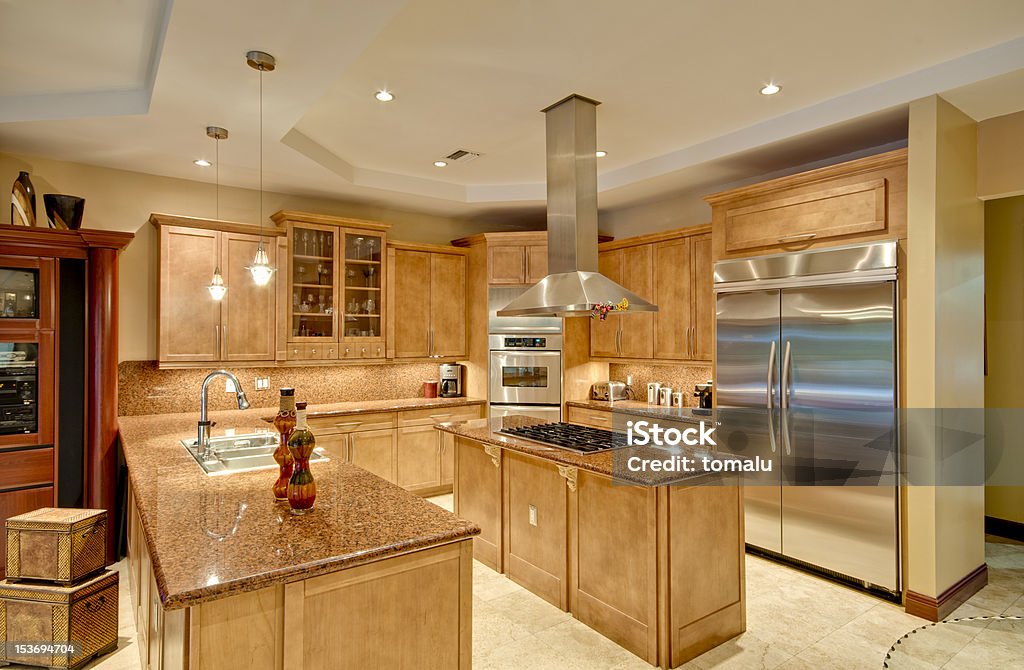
(23, 201)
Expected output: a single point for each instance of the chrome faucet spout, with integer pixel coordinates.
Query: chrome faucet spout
(203, 437)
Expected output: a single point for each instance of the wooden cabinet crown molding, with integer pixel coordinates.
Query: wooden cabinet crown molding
(652, 238)
(284, 217)
(44, 242)
(514, 238)
(847, 169)
(158, 219)
(430, 248)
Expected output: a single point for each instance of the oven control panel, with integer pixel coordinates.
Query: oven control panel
(527, 342)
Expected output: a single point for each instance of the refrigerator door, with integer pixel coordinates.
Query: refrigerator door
(839, 446)
(747, 393)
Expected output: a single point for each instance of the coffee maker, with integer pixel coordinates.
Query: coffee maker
(703, 393)
(450, 375)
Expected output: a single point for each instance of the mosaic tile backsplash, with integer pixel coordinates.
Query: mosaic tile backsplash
(679, 377)
(145, 389)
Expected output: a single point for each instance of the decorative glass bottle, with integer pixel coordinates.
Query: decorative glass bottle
(284, 422)
(301, 487)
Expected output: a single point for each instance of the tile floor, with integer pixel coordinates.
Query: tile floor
(795, 621)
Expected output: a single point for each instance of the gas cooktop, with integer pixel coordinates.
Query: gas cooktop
(582, 439)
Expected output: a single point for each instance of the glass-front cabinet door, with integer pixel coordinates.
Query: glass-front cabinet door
(362, 282)
(313, 269)
(26, 286)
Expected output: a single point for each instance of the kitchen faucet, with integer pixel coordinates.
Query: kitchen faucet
(203, 442)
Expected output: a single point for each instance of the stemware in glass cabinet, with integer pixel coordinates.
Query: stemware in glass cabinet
(313, 284)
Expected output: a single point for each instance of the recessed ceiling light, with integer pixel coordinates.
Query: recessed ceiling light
(770, 89)
(202, 162)
(440, 164)
(600, 154)
(384, 95)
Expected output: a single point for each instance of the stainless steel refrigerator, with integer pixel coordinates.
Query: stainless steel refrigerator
(806, 378)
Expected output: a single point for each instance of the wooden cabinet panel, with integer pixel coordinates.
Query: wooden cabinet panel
(615, 587)
(604, 335)
(335, 444)
(536, 263)
(410, 271)
(834, 211)
(13, 503)
(26, 467)
(448, 305)
(350, 423)
(589, 417)
(506, 265)
(637, 329)
(417, 458)
(373, 450)
(703, 298)
(433, 415)
(249, 311)
(478, 497)
(672, 294)
(189, 318)
(535, 527)
(447, 459)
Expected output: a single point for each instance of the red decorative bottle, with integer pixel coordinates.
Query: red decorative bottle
(302, 486)
(284, 422)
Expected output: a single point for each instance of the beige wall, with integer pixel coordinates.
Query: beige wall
(122, 200)
(1001, 156)
(1004, 282)
(944, 342)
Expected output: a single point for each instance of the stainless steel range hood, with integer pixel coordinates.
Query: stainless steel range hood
(574, 286)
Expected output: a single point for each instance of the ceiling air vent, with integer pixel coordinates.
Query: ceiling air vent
(462, 156)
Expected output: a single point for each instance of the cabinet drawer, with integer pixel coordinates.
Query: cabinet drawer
(431, 415)
(26, 467)
(352, 423)
(590, 417)
(312, 352)
(851, 209)
(361, 350)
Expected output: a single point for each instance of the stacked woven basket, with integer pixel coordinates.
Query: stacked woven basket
(58, 605)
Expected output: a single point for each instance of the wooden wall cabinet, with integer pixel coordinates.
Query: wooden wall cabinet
(196, 328)
(427, 301)
(857, 201)
(673, 270)
(517, 264)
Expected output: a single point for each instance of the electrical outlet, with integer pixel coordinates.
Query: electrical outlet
(262, 383)
(229, 386)
(533, 515)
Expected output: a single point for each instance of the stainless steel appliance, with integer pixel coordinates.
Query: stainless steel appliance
(806, 370)
(450, 375)
(526, 373)
(609, 391)
(498, 297)
(582, 439)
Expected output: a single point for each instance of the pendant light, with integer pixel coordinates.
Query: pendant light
(261, 269)
(217, 288)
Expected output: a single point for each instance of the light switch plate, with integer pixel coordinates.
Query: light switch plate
(533, 515)
(262, 383)
(229, 386)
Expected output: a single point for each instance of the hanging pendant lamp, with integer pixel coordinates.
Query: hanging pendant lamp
(260, 268)
(217, 288)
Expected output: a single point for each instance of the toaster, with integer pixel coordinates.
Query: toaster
(608, 391)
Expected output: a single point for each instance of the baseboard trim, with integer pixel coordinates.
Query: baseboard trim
(1013, 530)
(937, 609)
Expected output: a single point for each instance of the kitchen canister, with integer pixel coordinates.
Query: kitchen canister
(665, 396)
(652, 393)
(677, 399)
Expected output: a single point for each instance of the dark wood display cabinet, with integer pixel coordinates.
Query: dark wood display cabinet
(58, 371)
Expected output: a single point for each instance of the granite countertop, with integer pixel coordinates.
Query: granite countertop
(211, 537)
(641, 408)
(611, 462)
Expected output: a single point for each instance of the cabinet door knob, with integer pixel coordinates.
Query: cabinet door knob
(364, 351)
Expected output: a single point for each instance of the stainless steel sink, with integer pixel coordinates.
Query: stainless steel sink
(242, 453)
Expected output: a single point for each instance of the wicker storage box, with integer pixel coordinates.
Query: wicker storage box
(58, 626)
(56, 544)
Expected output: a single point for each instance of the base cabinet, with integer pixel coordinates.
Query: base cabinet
(374, 450)
(658, 570)
(410, 610)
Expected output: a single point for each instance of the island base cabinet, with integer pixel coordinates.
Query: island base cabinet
(478, 482)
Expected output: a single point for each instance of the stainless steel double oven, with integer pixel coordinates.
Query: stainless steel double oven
(526, 375)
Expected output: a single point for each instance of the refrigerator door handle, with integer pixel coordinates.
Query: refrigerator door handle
(771, 397)
(786, 386)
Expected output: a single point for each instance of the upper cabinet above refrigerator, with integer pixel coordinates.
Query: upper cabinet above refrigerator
(858, 201)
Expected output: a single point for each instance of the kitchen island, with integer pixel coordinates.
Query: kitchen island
(652, 560)
(222, 576)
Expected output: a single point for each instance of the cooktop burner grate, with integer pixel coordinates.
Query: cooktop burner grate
(570, 436)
